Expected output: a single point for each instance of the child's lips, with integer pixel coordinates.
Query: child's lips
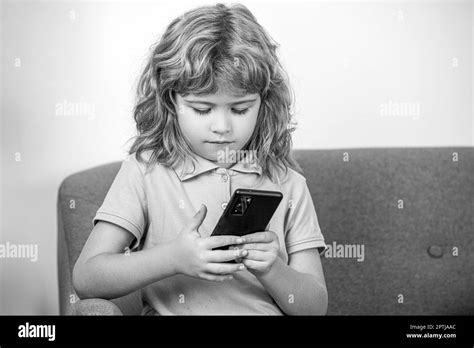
(220, 142)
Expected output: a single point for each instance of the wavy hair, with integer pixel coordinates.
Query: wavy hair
(200, 52)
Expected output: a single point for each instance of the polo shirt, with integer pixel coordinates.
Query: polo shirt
(155, 205)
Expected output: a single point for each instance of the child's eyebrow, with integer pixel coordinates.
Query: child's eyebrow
(212, 104)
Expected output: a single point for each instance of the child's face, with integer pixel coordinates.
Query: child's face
(220, 117)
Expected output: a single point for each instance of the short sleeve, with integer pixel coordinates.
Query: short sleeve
(302, 229)
(125, 203)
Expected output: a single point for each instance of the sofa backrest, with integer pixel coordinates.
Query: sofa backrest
(413, 211)
(80, 196)
(399, 224)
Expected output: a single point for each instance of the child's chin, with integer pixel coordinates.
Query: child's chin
(217, 160)
(212, 159)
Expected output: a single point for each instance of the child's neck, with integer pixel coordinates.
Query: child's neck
(225, 165)
(220, 164)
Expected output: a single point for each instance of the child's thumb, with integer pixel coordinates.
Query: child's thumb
(198, 218)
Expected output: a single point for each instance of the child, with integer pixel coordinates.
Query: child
(213, 88)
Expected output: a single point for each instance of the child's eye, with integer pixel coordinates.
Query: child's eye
(207, 111)
(241, 112)
(202, 112)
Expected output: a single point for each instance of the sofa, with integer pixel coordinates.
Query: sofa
(398, 222)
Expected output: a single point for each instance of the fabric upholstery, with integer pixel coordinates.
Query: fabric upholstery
(96, 306)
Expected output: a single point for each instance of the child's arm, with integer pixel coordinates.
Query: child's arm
(104, 270)
(297, 292)
(298, 288)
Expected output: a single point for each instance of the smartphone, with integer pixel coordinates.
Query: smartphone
(248, 211)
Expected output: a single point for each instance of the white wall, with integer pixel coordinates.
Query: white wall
(346, 60)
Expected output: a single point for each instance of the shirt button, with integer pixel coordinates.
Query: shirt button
(223, 206)
(224, 178)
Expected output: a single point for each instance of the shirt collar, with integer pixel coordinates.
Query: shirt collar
(184, 170)
(247, 167)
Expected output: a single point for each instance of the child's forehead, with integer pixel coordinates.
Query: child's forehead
(219, 90)
(221, 97)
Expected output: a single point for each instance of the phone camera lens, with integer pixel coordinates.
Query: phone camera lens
(241, 206)
(238, 209)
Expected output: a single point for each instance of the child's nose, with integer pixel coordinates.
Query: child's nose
(221, 123)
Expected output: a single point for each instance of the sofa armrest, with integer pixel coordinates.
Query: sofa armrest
(96, 306)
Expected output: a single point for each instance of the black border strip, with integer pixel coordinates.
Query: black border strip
(242, 330)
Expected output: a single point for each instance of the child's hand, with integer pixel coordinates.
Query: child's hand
(263, 248)
(195, 257)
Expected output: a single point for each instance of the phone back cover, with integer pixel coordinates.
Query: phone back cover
(258, 214)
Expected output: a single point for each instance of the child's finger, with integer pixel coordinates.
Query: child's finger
(256, 255)
(226, 255)
(256, 265)
(215, 278)
(219, 241)
(197, 219)
(240, 252)
(224, 268)
(260, 237)
(254, 246)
